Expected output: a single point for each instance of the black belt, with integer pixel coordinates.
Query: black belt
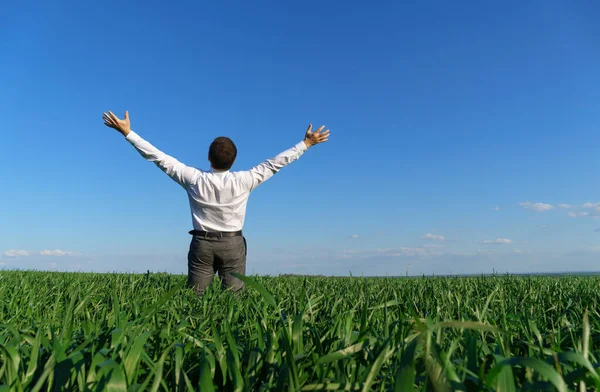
(206, 234)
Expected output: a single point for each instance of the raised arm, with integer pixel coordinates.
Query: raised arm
(262, 172)
(180, 173)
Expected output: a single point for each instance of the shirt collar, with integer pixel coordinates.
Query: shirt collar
(218, 171)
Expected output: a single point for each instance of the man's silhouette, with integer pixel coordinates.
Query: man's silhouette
(218, 199)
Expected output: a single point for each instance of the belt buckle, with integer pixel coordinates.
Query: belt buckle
(214, 234)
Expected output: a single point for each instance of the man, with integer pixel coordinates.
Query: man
(218, 199)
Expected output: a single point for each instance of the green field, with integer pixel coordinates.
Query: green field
(65, 331)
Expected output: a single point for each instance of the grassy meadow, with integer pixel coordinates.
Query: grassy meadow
(126, 332)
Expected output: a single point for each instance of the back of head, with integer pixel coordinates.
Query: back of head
(222, 153)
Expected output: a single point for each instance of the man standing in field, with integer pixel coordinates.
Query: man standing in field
(218, 199)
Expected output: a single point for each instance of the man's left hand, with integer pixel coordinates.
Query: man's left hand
(313, 138)
(112, 121)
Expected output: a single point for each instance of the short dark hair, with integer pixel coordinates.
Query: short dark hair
(222, 153)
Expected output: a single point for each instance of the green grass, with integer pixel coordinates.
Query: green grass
(118, 332)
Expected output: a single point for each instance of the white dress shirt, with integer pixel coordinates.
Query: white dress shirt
(217, 198)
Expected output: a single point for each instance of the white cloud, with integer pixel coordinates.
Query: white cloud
(497, 209)
(16, 253)
(433, 237)
(538, 207)
(430, 246)
(517, 251)
(25, 253)
(576, 214)
(576, 209)
(387, 252)
(58, 252)
(354, 236)
(399, 252)
(497, 241)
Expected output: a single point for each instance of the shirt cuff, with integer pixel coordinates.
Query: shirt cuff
(301, 146)
(132, 137)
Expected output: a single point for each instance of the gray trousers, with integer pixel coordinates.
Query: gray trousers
(210, 255)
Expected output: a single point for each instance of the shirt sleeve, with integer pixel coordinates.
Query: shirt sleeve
(180, 173)
(262, 172)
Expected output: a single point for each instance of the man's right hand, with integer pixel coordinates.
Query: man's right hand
(112, 121)
(316, 137)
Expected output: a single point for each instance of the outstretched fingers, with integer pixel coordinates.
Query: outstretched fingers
(112, 115)
(111, 120)
(108, 121)
(319, 136)
(322, 136)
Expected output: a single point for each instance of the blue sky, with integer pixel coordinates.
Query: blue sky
(450, 123)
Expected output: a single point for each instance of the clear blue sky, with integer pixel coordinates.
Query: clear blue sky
(447, 118)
